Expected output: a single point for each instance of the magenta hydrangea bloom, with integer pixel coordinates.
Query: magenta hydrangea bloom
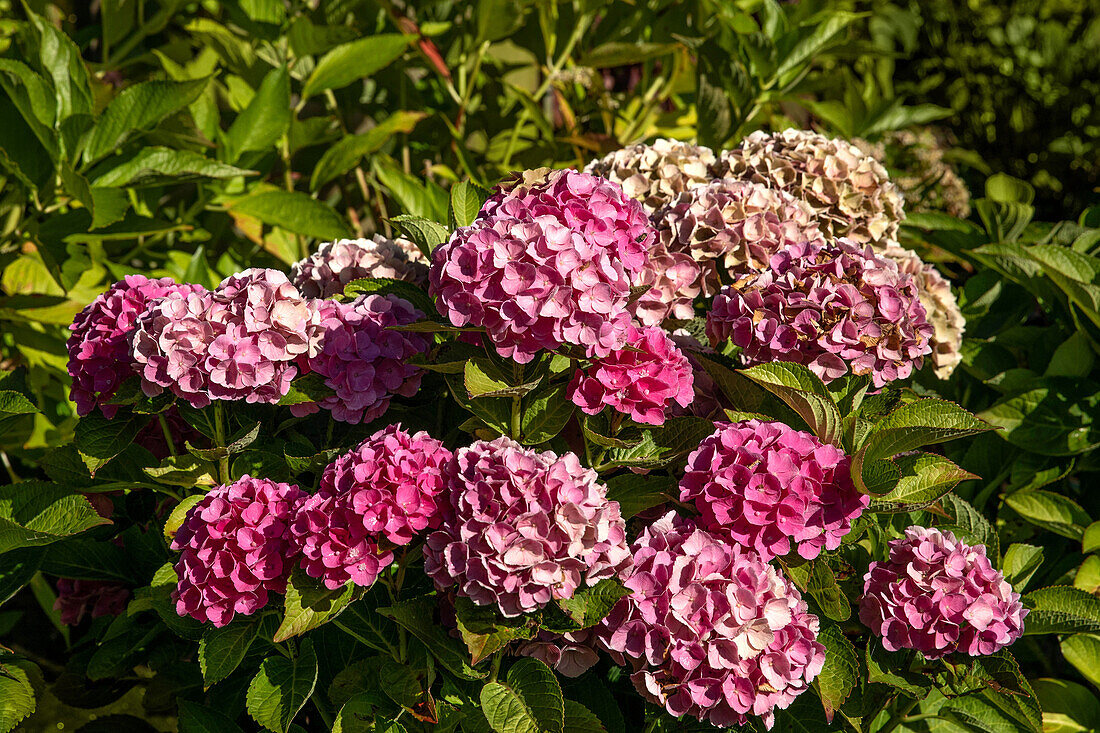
(643, 382)
(78, 598)
(523, 527)
(843, 308)
(363, 361)
(938, 595)
(327, 271)
(239, 342)
(549, 261)
(713, 631)
(99, 347)
(379, 495)
(236, 548)
(772, 488)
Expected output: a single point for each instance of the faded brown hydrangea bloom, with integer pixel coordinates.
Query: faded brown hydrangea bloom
(656, 174)
(917, 165)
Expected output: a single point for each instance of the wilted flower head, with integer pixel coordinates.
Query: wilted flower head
(325, 273)
(838, 310)
(848, 190)
(570, 655)
(239, 342)
(77, 598)
(938, 595)
(99, 347)
(940, 306)
(523, 527)
(377, 496)
(643, 381)
(772, 488)
(918, 165)
(713, 631)
(549, 261)
(362, 360)
(235, 548)
(658, 173)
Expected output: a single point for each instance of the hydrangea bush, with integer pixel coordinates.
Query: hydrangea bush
(512, 490)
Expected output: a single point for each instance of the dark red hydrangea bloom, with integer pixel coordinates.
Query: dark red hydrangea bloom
(79, 598)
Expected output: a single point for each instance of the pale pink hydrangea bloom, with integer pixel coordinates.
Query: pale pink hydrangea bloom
(642, 382)
(236, 548)
(772, 488)
(711, 629)
(327, 271)
(939, 595)
(523, 527)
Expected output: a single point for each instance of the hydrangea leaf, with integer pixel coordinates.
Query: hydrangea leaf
(281, 687)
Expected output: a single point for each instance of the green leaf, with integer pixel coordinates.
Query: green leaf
(158, 597)
(34, 99)
(195, 718)
(806, 394)
(16, 570)
(892, 668)
(484, 631)
(386, 285)
(1053, 417)
(466, 201)
(60, 58)
(1061, 609)
(822, 585)
(222, 650)
(841, 671)
(424, 233)
(484, 379)
(307, 388)
(660, 446)
(529, 701)
(294, 211)
(636, 493)
(136, 108)
(924, 479)
(579, 719)
(1053, 512)
(13, 403)
(1090, 542)
(971, 525)
(16, 692)
(417, 616)
(266, 118)
(84, 559)
(545, 413)
(281, 687)
(417, 198)
(309, 604)
(1020, 564)
(355, 60)
(1067, 706)
(349, 151)
(1083, 652)
(154, 164)
(619, 53)
(100, 439)
(1005, 189)
(495, 411)
(591, 604)
(34, 513)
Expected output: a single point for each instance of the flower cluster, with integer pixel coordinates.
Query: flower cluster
(236, 547)
(549, 261)
(772, 488)
(839, 309)
(238, 342)
(327, 271)
(99, 347)
(642, 381)
(939, 595)
(714, 631)
(387, 490)
(523, 527)
(362, 361)
(940, 306)
(95, 598)
(656, 174)
(848, 190)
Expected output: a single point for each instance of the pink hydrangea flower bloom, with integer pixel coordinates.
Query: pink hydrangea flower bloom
(642, 382)
(77, 598)
(362, 360)
(382, 494)
(327, 271)
(523, 527)
(843, 308)
(549, 261)
(236, 548)
(712, 630)
(772, 488)
(99, 347)
(239, 342)
(938, 595)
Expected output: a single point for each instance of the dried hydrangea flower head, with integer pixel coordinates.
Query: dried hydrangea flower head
(240, 341)
(770, 487)
(362, 360)
(94, 598)
(919, 167)
(327, 271)
(838, 310)
(849, 190)
(523, 527)
(644, 381)
(235, 549)
(656, 174)
(548, 261)
(939, 303)
(939, 595)
(713, 631)
(378, 496)
(99, 346)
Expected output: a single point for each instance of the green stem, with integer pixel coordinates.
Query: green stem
(167, 433)
(497, 659)
(517, 402)
(219, 439)
(898, 716)
(653, 724)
